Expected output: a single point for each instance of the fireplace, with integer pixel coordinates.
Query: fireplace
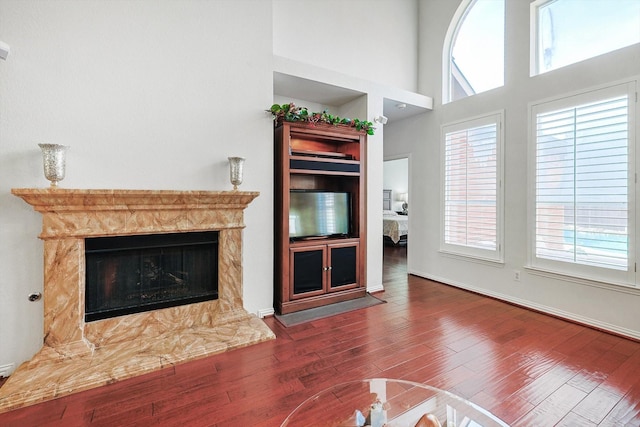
(134, 274)
(82, 349)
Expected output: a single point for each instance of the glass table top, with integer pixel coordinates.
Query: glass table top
(381, 402)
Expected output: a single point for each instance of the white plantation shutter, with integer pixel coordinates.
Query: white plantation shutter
(583, 185)
(471, 193)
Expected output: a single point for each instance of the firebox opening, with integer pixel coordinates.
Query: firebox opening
(133, 274)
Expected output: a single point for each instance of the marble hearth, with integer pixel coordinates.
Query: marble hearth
(76, 355)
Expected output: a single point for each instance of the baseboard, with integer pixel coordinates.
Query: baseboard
(266, 312)
(6, 370)
(374, 289)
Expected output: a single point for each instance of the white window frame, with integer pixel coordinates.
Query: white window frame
(534, 40)
(447, 52)
(496, 255)
(534, 36)
(585, 273)
(452, 32)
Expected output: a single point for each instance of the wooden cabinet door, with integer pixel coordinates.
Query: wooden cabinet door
(315, 270)
(343, 262)
(307, 271)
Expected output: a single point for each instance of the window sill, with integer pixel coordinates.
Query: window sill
(472, 258)
(618, 287)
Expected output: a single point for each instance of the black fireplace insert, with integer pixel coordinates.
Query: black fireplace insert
(133, 274)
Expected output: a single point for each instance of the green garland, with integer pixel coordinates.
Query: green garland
(291, 113)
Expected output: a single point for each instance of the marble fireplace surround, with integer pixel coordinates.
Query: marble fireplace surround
(76, 355)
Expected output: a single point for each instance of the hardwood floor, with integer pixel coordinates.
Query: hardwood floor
(527, 368)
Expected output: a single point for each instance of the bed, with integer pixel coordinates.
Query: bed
(395, 227)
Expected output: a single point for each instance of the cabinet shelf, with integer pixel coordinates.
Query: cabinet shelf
(322, 241)
(325, 171)
(326, 160)
(323, 165)
(321, 154)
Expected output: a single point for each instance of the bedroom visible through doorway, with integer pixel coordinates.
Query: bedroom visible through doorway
(396, 204)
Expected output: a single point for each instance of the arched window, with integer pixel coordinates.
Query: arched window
(569, 31)
(473, 54)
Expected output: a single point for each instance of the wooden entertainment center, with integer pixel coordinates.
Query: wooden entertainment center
(316, 270)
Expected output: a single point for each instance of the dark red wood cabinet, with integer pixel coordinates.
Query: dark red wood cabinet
(315, 270)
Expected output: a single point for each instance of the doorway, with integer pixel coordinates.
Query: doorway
(396, 210)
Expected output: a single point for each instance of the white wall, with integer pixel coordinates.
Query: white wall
(396, 178)
(156, 94)
(153, 94)
(611, 308)
(149, 94)
(374, 40)
(369, 47)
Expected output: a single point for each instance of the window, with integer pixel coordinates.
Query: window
(584, 185)
(474, 49)
(568, 31)
(472, 190)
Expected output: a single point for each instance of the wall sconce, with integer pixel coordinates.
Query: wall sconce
(4, 50)
(381, 119)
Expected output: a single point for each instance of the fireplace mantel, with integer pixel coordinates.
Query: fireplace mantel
(73, 212)
(77, 355)
(49, 199)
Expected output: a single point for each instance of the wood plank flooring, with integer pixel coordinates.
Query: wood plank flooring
(527, 368)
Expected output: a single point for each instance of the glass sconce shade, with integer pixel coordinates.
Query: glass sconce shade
(235, 171)
(54, 162)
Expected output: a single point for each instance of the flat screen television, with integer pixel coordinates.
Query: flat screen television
(319, 214)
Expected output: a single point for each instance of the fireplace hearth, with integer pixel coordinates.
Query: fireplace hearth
(79, 352)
